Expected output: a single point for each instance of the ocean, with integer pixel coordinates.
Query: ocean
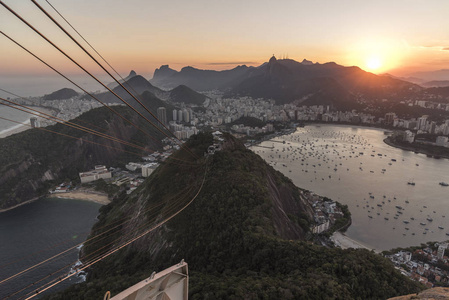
(354, 166)
(13, 114)
(36, 231)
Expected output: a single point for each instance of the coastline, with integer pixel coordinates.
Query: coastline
(85, 195)
(20, 204)
(25, 125)
(413, 149)
(344, 242)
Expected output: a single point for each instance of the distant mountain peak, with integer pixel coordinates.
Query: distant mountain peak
(61, 94)
(272, 59)
(131, 74)
(306, 62)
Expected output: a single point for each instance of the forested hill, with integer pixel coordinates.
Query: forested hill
(244, 236)
(33, 161)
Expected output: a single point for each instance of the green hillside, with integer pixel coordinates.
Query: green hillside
(237, 241)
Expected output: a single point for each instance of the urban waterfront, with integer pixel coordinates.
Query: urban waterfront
(394, 195)
(37, 231)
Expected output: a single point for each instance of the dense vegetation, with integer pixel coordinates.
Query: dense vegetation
(64, 93)
(232, 238)
(34, 160)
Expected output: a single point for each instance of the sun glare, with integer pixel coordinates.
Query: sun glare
(373, 63)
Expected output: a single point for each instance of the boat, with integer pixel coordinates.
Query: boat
(411, 183)
(393, 159)
(440, 227)
(398, 207)
(444, 183)
(386, 219)
(423, 224)
(429, 219)
(406, 222)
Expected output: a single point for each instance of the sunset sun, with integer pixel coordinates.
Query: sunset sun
(373, 63)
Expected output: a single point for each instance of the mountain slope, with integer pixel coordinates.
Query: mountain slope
(136, 85)
(199, 80)
(186, 95)
(34, 160)
(61, 94)
(243, 236)
(319, 84)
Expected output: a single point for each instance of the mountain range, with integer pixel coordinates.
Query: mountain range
(138, 85)
(287, 81)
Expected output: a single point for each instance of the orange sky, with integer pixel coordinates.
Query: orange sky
(390, 36)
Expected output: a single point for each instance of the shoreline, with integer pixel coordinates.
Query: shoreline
(413, 149)
(342, 241)
(18, 205)
(25, 125)
(85, 195)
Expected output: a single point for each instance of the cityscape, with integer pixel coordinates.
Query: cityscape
(291, 150)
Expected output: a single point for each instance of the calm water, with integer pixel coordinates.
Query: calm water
(34, 232)
(328, 161)
(13, 114)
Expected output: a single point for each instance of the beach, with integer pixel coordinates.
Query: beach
(16, 128)
(88, 195)
(344, 242)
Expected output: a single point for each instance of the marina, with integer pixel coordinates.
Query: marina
(390, 192)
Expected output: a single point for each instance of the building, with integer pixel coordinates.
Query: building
(441, 250)
(148, 169)
(175, 115)
(422, 123)
(100, 172)
(162, 116)
(34, 122)
(409, 136)
(186, 116)
(389, 118)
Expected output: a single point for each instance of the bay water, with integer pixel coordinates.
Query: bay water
(394, 195)
(34, 232)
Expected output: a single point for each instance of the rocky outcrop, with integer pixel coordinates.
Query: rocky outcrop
(438, 293)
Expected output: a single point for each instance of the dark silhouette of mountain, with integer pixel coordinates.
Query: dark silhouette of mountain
(199, 80)
(435, 83)
(186, 95)
(331, 84)
(114, 84)
(287, 81)
(440, 91)
(136, 85)
(442, 74)
(61, 94)
(161, 74)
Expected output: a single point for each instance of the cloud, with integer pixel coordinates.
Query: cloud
(435, 47)
(232, 63)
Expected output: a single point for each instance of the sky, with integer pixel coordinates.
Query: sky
(395, 36)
